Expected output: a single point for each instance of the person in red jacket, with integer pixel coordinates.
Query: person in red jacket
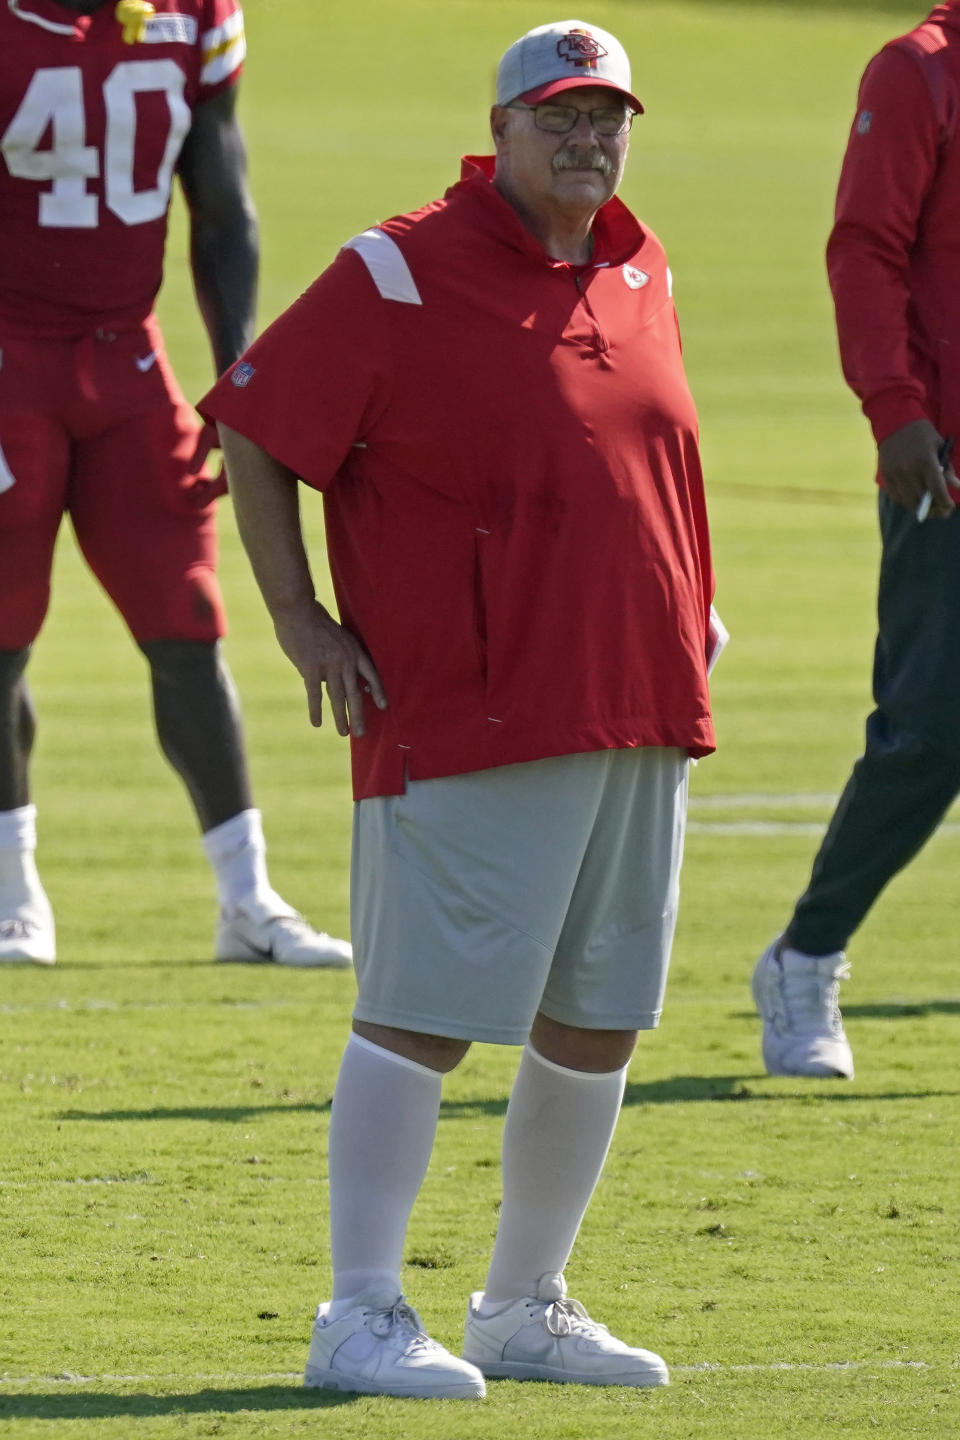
(894, 265)
(101, 105)
(490, 394)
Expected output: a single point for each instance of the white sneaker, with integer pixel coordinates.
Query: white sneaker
(268, 930)
(27, 933)
(548, 1336)
(796, 995)
(379, 1347)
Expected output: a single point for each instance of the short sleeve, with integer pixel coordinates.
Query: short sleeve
(316, 380)
(223, 47)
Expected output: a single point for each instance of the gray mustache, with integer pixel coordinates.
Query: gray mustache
(582, 160)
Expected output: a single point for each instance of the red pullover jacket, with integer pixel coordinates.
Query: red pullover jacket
(894, 254)
(514, 503)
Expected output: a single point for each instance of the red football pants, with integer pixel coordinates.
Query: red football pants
(99, 427)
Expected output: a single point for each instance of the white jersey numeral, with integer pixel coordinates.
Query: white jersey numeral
(54, 98)
(125, 83)
(54, 103)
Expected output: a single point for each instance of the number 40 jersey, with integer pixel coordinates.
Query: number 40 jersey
(94, 110)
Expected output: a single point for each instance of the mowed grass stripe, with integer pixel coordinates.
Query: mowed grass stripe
(55, 1382)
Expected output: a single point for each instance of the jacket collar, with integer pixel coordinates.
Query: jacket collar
(617, 234)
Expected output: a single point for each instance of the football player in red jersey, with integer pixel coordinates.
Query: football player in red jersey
(100, 105)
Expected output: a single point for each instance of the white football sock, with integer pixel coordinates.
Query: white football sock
(555, 1140)
(382, 1127)
(18, 841)
(237, 851)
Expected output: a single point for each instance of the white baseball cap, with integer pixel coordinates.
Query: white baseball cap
(558, 57)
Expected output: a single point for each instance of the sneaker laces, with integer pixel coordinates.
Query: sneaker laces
(262, 908)
(814, 999)
(401, 1316)
(290, 924)
(568, 1317)
(19, 928)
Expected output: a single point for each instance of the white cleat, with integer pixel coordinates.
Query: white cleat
(27, 933)
(796, 996)
(548, 1336)
(267, 931)
(379, 1347)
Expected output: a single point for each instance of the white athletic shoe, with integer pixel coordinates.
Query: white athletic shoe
(263, 930)
(548, 1336)
(379, 1347)
(27, 933)
(796, 995)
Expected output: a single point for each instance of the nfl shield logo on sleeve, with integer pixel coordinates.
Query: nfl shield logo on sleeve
(242, 374)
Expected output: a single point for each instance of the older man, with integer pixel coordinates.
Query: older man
(490, 393)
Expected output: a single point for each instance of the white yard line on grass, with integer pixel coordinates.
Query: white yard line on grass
(760, 802)
(91, 1003)
(778, 827)
(729, 805)
(756, 827)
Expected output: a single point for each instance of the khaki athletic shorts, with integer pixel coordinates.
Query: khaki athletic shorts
(479, 899)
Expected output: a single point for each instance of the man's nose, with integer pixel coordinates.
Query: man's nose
(583, 132)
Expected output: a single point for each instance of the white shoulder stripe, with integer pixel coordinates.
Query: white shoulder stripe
(224, 49)
(224, 65)
(217, 35)
(669, 281)
(388, 269)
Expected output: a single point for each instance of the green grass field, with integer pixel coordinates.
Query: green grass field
(792, 1250)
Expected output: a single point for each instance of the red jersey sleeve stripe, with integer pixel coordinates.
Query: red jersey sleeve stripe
(224, 48)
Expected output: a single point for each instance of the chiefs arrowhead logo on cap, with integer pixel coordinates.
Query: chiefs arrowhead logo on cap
(578, 47)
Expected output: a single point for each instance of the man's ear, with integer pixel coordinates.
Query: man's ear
(499, 120)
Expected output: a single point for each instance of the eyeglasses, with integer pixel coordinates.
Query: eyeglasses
(561, 119)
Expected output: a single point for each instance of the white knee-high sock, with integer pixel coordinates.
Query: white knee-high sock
(237, 851)
(555, 1139)
(18, 842)
(382, 1127)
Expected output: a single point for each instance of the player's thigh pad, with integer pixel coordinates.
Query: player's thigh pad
(142, 519)
(34, 461)
(462, 889)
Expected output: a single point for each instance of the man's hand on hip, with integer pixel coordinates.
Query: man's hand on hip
(910, 468)
(326, 654)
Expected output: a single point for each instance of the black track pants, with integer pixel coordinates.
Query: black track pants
(909, 773)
